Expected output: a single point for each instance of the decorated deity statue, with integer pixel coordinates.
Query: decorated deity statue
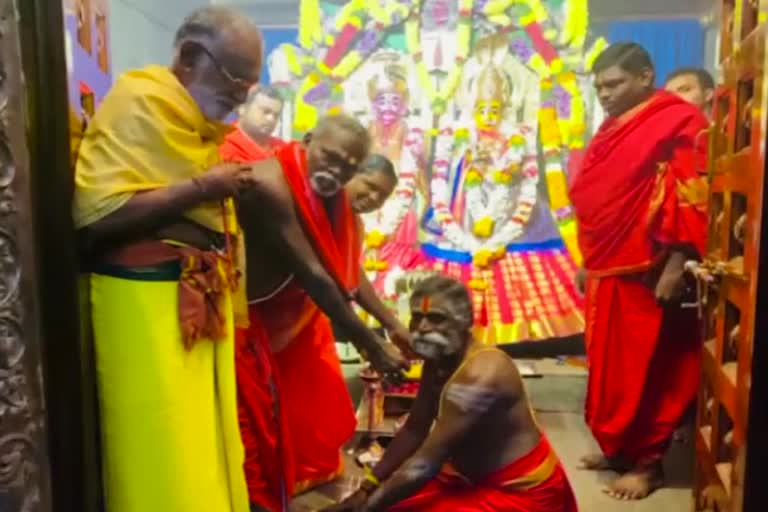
(392, 232)
(490, 223)
(483, 197)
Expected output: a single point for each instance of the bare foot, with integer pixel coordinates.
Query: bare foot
(638, 483)
(600, 462)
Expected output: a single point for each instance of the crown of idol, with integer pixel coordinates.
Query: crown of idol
(390, 76)
(492, 83)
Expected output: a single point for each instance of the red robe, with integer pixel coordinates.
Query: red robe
(239, 147)
(321, 417)
(535, 482)
(638, 193)
(317, 413)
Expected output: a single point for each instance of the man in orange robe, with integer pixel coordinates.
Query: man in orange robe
(640, 203)
(303, 247)
(257, 119)
(470, 442)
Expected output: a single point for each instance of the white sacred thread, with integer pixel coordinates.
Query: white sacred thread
(471, 398)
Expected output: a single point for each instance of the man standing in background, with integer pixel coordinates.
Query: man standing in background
(640, 205)
(694, 85)
(258, 119)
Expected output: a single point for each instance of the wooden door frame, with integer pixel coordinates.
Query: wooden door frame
(48, 434)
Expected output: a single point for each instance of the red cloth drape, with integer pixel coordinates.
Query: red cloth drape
(239, 147)
(317, 408)
(264, 429)
(451, 493)
(638, 193)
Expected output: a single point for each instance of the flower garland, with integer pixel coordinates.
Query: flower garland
(486, 249)
(358, 29)
(438, 99)
(491, 210)
(380, 225)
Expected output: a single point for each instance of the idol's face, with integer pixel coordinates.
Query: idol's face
(620, 91)
(488, 114)
(388, 107)
(689, 88)
(333, 158)
(436, 330)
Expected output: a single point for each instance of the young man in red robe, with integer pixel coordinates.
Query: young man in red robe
(470, 443)
(302, 243)
(257, 119)
(640, 202)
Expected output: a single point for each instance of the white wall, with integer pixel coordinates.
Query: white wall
(142, 30)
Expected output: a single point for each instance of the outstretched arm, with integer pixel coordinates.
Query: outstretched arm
(369, 300)
(467, 398)
(272, 203)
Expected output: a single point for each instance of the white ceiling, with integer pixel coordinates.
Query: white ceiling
(286, 11)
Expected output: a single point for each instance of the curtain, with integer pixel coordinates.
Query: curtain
(672, 43)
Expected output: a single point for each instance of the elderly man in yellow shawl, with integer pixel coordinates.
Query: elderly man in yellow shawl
(153, 205)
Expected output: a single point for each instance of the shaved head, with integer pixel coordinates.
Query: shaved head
(218, 58)
(336, 150)
(343, 125)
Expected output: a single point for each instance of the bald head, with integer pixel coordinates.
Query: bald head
(218, 58)
(336, 150)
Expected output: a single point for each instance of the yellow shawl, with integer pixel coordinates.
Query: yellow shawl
(148, 133)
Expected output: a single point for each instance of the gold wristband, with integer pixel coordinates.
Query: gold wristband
(370, 477)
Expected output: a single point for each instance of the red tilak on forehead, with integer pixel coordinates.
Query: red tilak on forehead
(426, 304)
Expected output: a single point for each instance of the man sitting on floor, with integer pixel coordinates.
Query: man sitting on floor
(470, 442)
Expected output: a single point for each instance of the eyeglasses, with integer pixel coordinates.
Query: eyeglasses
(245, 84)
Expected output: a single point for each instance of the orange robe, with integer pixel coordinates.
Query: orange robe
(638, 194)
(317, 412)
(268, 464)
(535, 482)
(239, 147)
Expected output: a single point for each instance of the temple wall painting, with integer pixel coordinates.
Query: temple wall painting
(86, 24)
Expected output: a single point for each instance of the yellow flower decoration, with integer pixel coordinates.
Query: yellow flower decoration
(477, 285)
(482, 258)
(483, 227)
(375, 239)
(502, 177)
(474, 177)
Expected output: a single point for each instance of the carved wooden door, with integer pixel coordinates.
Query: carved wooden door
(47, 426)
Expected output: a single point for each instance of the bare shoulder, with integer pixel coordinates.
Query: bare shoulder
(269, 193)
(487, 366)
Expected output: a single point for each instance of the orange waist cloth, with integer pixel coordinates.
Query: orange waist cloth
(535, 482)
(644, 365)
(318, 409)
(205, 277)
(268, 462)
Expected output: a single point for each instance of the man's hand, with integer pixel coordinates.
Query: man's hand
(581, 280)
(387, 361)
(401, 338)
(353, 503)
(225, 179)
(671, 285)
